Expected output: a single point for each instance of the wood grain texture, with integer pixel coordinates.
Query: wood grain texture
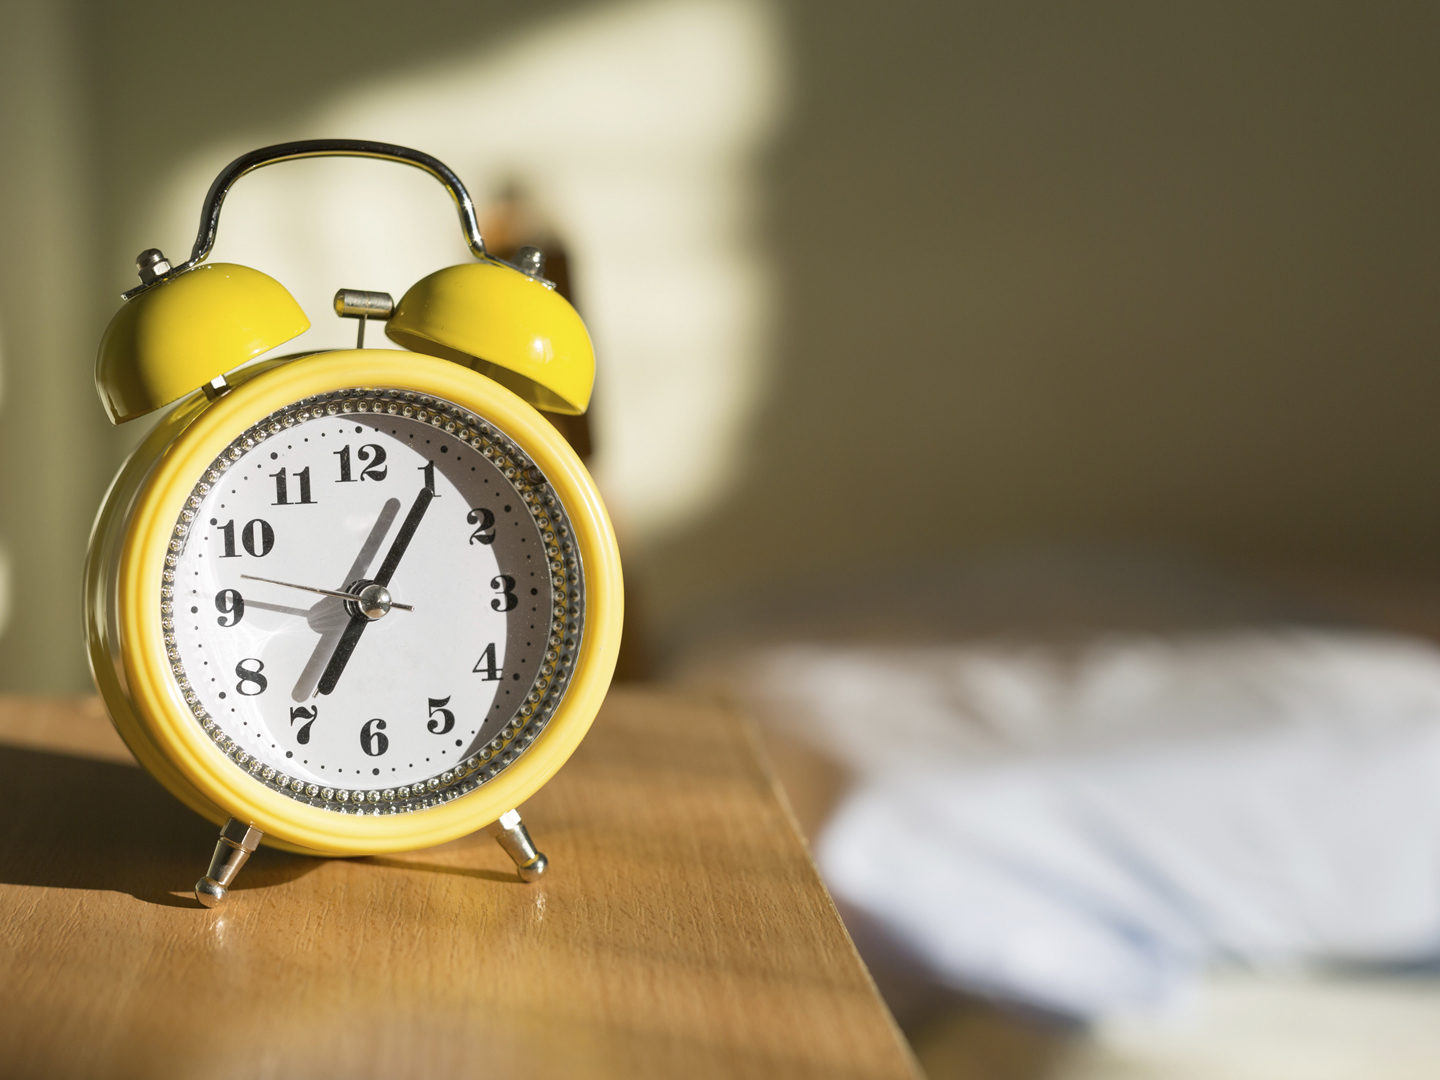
(682, 930)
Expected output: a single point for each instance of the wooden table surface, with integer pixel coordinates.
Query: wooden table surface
(682, 930)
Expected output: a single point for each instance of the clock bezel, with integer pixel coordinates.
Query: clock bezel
(159, 707)
(542, 696)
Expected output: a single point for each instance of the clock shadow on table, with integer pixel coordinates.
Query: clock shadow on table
(78, 823)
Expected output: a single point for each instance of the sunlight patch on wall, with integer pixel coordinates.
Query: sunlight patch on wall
(636, 129)
(6, 590)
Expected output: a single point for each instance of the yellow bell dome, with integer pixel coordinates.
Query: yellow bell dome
(504, 324)
(184, 332)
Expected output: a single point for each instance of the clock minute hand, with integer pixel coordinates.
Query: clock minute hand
(322, 592)
(341, 656)
(359, 621)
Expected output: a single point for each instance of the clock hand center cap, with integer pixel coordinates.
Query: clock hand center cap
(372, 600)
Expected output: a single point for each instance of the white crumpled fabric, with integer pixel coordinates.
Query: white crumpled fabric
(1084, 829)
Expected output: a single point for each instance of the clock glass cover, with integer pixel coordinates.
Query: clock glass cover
(460, 611)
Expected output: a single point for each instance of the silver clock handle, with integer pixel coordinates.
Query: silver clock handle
(308, 148)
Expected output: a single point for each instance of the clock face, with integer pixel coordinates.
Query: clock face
(459, 614)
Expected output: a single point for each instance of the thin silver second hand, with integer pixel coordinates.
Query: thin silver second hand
(322, 592)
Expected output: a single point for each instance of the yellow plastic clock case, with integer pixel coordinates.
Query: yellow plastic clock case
(137, 368)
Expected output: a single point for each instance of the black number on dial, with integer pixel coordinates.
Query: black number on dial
(250, 677)
(373, 453)
(282, 489)
(308, 714)
(504, 584)
(429, 470)
(231, 603)
(441, 719)
(257, 538)
(485, 534)
(372, 741)
(490, 671)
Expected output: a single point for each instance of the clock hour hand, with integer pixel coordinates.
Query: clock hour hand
(358, 621)
(360, 596)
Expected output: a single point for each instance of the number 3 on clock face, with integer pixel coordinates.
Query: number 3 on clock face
(372, 704)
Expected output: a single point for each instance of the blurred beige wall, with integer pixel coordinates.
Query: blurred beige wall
(53, 452)
(1043, 274)
(1157, 273)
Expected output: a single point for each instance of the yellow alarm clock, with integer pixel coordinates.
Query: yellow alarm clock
(357, 601)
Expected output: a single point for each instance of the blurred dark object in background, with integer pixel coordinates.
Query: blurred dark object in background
(512, 221)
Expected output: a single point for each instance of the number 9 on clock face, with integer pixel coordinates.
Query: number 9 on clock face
(364, 599)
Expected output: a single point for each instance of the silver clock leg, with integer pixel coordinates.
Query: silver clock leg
(237, 841)
(511, 834)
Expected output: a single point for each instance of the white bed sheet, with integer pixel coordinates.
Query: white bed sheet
(1092, 829)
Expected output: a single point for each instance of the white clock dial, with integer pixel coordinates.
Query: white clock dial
(458, 629)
